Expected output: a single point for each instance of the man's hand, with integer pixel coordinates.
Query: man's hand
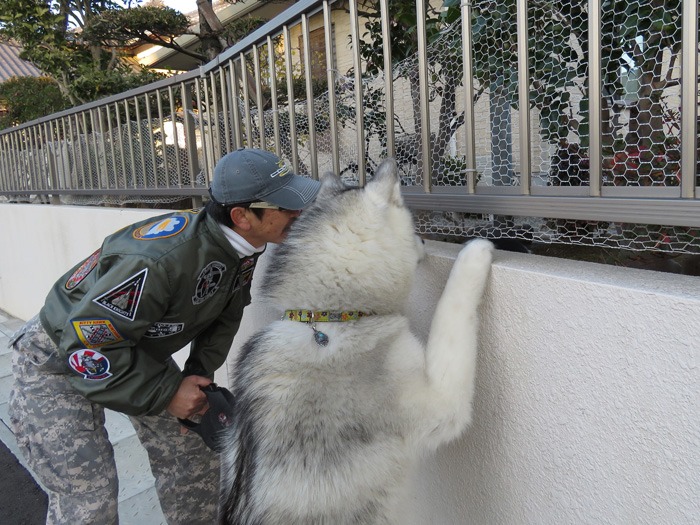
(189, 398)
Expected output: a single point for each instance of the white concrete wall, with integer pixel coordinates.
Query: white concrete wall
(39, 243)
(587, 400)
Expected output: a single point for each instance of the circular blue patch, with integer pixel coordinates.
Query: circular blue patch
(161, 229)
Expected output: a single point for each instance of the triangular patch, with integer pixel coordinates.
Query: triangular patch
(124, 298)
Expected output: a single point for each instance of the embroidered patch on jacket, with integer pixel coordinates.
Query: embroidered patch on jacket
(161, 229)
(208, 281)
(83, 270)
(90, 363)
(164, 329)
(124, 298)
(96, 332)
(245, 273)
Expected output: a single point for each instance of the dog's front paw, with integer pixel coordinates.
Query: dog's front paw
(473, 265)
(477, 252)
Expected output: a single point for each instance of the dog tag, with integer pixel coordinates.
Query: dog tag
(321, 338)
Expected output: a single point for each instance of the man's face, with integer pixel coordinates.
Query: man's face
(273, 226)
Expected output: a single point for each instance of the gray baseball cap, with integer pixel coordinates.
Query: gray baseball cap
(249, 175)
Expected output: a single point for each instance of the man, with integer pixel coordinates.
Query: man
(109, 326)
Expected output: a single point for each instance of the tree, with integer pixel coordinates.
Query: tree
(49, 32)
(158, 25)
(29, 98)
(120, 28)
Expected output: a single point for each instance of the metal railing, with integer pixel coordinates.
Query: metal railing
(519, 114)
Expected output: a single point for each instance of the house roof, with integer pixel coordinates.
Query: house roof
(161, 57)
(13, 66)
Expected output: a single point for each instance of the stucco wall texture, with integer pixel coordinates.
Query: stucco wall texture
(587, 398)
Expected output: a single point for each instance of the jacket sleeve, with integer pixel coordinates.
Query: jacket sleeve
(102, 333)
(210, 348)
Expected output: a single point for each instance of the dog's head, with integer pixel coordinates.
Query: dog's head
(353, 249)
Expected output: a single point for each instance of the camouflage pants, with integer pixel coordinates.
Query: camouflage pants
(63, 438)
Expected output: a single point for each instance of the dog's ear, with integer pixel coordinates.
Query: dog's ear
(385, 182)
(330, 185)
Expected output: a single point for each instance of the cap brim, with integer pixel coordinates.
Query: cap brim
(297, 194)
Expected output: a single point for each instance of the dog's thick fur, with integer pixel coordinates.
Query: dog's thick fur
(326, 435)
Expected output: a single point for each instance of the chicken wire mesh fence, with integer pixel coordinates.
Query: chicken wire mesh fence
(640, 139)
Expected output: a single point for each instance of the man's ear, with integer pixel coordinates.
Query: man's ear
(240, 218)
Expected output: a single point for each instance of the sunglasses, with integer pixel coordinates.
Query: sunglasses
(267, 206)
(257, 204)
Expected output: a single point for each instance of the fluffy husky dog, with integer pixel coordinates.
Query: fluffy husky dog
(330, 416)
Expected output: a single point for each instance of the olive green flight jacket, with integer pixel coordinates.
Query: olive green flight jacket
(152, 288)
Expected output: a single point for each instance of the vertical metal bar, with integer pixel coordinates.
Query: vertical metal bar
(130, 138)
(5, 179)
(51, 161)
(359, 105)
(4, 172)
(13, 179)
(689, 103)
(311, 114)
(424, 102)
(112, 140)
(468, 66)
(294, 145)
(76, 168)
(32, 151)
(272, 72)
(246, 103)
(152, 141)
(5, 175)
(46, 157)
(76, 134)
(330, 74)
(209, 123)
(6, 154)
(595, 98)
(202, 132)
(88, 160)
(57, 155)
(27, 155)
(190, 133)
(103, 146)
(64, 171)
(524, 96)
(21, 183)
(43, 159)
(258, 96)
(68, 161)
(235, 106)
(226, 113)
(161, 122)
(214, 122)
(15, 161)
(120, 136)
(25, 144)
(139, 137)
(18, 164)
(98, 165)
(176, 138)
(388, 79)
